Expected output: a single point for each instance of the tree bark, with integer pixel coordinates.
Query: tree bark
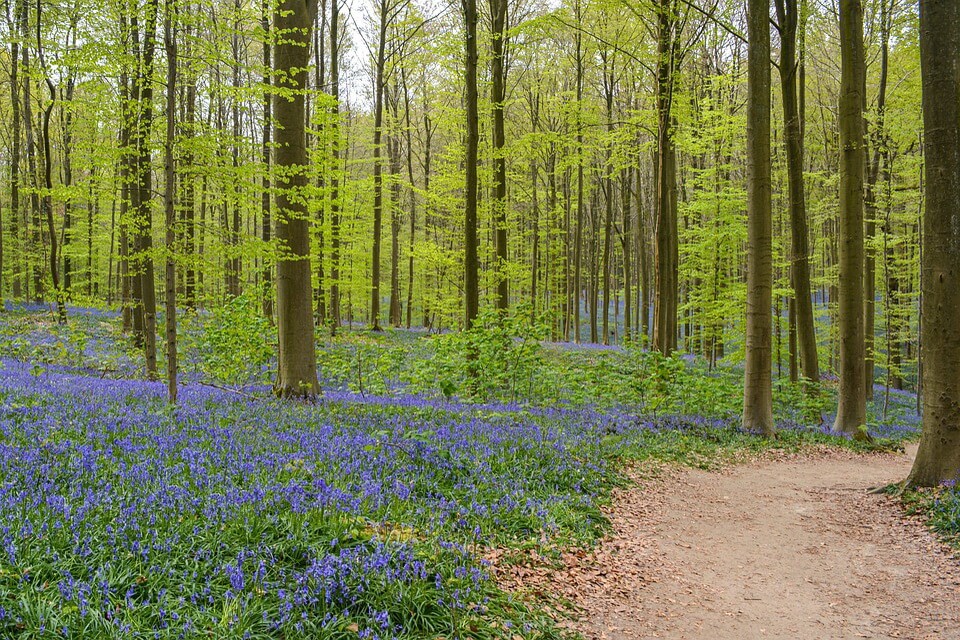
(471, 103)
(498, 94)
(851, 409)
(142, 189)
(938, 458)
(757, 383)
(666, 254)
(297, 371)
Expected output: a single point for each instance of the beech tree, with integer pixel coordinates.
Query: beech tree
(471, 102)
(758, 386)
(851, 408)
(293, 22)
(938, 458)
(611, 156)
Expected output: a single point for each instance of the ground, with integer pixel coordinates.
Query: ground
(793, 548)
(369, 514)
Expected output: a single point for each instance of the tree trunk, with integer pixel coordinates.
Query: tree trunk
(143, 187)
(170, 216)
(877, 142)
(126, 293)
(578, 238)
(380, 63)
(609, 81)
(187, 246)
(938, 458)
(498, 93)
(16, 290)
(757, 384)
(66, 123)
(393, 151)
(47, 201)
(335, 319)
(471, 103)
(412, 193)
(234, 262)
(33, 230)
(626, 240)
(297, 371)
(851, 410)
(666, 257)
(788, 15)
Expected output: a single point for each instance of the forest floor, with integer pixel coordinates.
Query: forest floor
(786, 548)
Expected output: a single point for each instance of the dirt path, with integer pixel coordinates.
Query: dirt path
(778, 549)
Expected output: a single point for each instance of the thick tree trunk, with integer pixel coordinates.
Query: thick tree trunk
(471, 267)
(757, 384)
(938, 458)
(851, 409)
(666, 256)
(297, 372)
(498, 93)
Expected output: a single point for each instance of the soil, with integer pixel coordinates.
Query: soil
(787, 548)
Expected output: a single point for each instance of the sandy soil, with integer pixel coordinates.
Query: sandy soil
(792, 548)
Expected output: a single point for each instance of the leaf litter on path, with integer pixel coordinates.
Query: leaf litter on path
(784, 547)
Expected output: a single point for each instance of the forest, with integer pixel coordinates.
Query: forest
(412, 319)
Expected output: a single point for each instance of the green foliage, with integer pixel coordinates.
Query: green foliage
(234, 343)
(499, 357)
(802, 402)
